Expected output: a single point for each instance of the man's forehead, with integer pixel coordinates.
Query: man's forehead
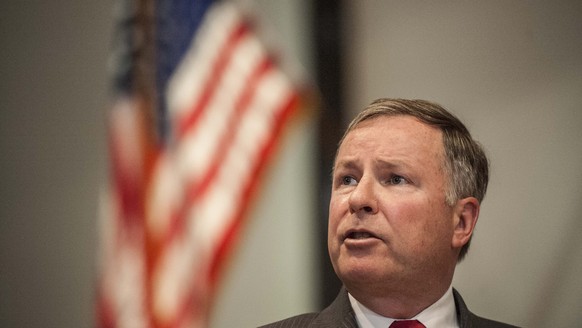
(390, 138)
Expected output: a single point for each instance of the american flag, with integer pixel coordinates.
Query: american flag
(192, 128)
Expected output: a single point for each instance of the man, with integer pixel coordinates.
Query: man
(408, 181)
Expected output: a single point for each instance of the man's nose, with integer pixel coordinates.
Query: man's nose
(363, 197)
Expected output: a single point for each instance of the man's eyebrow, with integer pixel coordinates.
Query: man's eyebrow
(391, 164)
(343, 164)
(346, 163)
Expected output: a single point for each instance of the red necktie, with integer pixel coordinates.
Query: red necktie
(407, 324)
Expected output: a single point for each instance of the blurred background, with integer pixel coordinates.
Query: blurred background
(511, 70)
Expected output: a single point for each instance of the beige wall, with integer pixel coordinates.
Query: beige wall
(53, 89)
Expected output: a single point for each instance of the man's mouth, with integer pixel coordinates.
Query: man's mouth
(359, 235)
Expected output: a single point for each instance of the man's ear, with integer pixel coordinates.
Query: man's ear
(466, 215)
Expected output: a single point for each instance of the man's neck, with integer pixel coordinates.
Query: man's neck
(442, 313)
(399, 303)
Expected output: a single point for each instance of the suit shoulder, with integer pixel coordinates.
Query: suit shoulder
(302, 320)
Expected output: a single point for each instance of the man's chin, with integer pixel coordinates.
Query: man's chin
(354, 273)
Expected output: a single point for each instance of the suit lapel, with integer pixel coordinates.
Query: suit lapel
(337, 314)
(464, 316)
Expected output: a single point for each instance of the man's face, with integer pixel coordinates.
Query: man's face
(389, 225)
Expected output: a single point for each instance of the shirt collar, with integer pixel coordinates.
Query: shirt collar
(442, 313)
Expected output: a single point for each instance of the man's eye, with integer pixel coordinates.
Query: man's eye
(398, 180)
(348, 181)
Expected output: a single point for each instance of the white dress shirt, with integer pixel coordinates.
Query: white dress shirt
(441, 314)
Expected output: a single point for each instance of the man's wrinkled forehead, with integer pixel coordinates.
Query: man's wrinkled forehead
(411, 135)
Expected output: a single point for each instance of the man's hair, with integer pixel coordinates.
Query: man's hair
(465, 162)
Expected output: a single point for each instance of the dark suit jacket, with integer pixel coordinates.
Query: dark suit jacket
(341, 315)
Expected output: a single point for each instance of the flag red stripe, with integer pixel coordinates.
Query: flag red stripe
(196, 190)
(177, 219)
(105, 309)
(216, 74)
(231, 232)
